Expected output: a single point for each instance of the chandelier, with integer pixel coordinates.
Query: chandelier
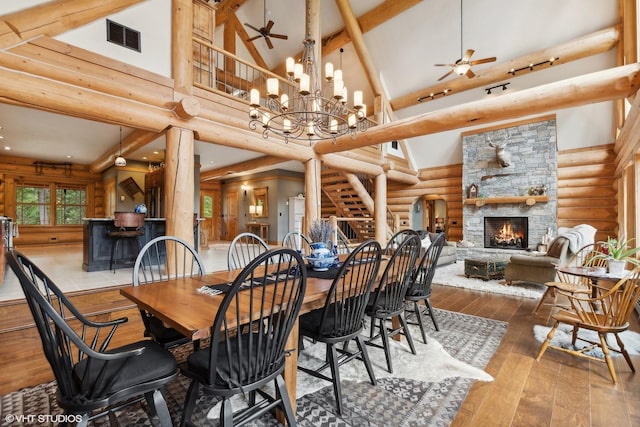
(305, 110)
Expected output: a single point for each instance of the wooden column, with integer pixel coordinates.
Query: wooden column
(181, 50)
(380, 203)
(312, 192)
(179, 184)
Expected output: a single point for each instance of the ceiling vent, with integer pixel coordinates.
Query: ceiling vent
(123, 36)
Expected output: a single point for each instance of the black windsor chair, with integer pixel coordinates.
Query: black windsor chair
(397, 238)
(295, 240)
(165, 258)
(342, 318)
(93, 379)
(387, 300)
(242, 359)
(244, 248)
(420, 284)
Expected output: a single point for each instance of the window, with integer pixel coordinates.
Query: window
(35, 206)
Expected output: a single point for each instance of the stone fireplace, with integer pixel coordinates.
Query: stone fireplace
(511, 232)
(526, 189)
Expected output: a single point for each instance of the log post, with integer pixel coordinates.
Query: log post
(179, 184)
(380, 202)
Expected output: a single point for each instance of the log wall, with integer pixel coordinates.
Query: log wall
(587, 192)
(16, 169)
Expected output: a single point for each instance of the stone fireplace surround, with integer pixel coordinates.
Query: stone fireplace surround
(533, 164)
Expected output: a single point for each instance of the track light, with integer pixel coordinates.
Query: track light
(433, 95)
(531, 66)
(501, 85)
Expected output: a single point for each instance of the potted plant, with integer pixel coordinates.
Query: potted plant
(617, 253)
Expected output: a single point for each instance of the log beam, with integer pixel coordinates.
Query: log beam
(55, 17)
(599, 86)
(260, 162)
(582, 47)
(131, 143)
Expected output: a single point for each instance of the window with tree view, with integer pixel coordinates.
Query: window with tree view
(35, 206)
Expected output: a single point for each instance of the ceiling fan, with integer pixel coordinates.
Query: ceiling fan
(265, 30)
(462, 66)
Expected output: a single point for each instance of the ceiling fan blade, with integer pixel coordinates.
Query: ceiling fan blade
(279, 36)
(446, 75)
(269, 25)
(268, 40)
(252, 27)
(469, 73)
(467, 55)
(444, 65)
(482, 61)
(254, 38)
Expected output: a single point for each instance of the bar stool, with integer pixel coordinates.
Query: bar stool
(128, 226)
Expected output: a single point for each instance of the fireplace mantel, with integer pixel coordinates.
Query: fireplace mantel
(528, 200)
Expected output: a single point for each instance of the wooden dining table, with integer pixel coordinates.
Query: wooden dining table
(594, 274)
(179, 304)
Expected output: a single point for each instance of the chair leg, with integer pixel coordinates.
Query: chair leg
(190, 403)
(283, 393)
(226, 413)
(625, 353)
(542, 298)
(160, 408)
(385, 345)
(607, 357)
(332, 358)
(407, 334)
(427, 302)
(365, 358)
(547, 341)
(418, 312)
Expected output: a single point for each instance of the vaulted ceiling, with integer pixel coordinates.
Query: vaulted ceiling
(389, 51)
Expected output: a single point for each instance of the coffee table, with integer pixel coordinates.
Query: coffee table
(484, 268)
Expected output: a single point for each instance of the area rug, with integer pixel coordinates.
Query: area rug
(425, 389)
(453, 275)
(562, 338)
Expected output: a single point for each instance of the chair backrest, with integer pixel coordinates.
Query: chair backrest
(244, 248)
(62, 345)
(128, 220)
(614, 307)
(397, 238)
(271, 288)
(422, 276)
(297, 241)
(392, 287)
(583, 258)
(347, 299)
(164, 258)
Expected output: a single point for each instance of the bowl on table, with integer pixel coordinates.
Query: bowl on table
(323, 263)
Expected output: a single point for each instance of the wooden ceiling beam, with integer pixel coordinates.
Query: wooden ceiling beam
(582, 47)
(599, 86)
(131, 143)
(55, 17)
(241, 167)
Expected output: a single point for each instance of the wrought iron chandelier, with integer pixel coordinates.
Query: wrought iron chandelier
(305, 110)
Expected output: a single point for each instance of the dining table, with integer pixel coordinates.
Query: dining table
(181, 304)
(596, 275)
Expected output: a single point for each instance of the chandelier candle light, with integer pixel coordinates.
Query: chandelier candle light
(302, 111)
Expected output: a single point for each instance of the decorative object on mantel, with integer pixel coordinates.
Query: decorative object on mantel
(486, 177)
(617, 253)
(472, 191)
(539, 190)
(528, 200)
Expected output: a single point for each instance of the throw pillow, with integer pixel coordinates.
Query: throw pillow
(555, 247)
(426, 242)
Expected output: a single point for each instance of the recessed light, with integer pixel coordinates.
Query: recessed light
(144, 157)
(1, 137)
(7, 148)
(156, 152)
(69, 156)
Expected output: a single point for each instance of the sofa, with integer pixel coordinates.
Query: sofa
(538, 268)
(449, 252)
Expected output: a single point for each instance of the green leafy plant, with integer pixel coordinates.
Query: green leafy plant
(617, 249)
(319, 231)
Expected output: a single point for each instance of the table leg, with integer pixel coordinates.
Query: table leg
(291, 369)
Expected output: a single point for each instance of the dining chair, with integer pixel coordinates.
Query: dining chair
(244, 248)
(386, 302)
(571, 283)
(397, 238)
(165, 258)
(92, 378)
(341, 319)
(420, 285)
(297, 241)
(248, 339)
(606, 314)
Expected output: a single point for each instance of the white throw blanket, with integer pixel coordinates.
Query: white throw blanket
(578, 236)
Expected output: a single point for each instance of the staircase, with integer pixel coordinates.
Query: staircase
(346, 195)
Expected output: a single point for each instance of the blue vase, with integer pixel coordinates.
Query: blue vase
(320, 250)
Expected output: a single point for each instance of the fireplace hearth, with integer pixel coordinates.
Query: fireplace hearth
(509, 232)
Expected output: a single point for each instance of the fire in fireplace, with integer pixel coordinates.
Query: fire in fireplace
(506, 232)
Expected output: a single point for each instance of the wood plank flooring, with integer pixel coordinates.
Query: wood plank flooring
(560, 390)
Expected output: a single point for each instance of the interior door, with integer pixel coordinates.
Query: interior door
(211, 215)
(231, 216)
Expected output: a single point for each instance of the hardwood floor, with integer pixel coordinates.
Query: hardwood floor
(559, 390)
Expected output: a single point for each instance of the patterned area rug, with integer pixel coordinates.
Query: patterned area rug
(425, 389)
